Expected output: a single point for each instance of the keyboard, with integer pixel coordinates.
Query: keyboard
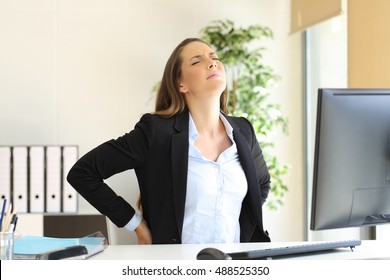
(295, 249)
(306, 248)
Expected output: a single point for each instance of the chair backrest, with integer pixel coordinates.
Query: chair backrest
(69, 226)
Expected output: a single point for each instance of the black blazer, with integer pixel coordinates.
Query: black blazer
(157, 149)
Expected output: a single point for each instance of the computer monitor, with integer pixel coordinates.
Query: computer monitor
(351, 178)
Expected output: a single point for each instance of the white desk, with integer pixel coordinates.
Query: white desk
(369, 249)
(148, 261)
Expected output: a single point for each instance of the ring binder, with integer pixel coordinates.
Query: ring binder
(5, 172)
(53, 179)
(19, 176)
(37, 179)
(33, 178)
(69, 194)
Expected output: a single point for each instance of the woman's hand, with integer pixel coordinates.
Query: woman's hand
(143, 233)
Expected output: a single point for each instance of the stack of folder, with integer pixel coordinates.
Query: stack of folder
(50, 248)
(34, 178)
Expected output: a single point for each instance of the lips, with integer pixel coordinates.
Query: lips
(214, 75)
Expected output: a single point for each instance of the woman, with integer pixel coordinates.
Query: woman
(201, 173)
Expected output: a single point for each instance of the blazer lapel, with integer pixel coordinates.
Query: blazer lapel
(179, 162)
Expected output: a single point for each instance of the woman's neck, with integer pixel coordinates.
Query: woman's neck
(207, 120)
(205, 112)
(212, 137)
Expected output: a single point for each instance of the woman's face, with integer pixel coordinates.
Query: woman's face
(202, 74)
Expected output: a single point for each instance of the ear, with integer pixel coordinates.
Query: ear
(182, 88)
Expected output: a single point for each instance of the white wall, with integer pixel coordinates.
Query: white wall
(81, 72)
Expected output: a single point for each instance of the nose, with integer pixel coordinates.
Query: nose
(213, 64)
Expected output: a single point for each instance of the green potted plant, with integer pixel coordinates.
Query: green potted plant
(249, 81)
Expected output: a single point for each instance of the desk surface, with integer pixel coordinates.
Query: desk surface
(369, 249)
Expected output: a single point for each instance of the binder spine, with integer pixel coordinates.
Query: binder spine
(19, 177)
(33, 178)
(36, 179)
(69, 194)
(5, 173)
(53, 179)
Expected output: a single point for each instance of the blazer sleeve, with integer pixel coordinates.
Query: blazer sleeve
(89, 172)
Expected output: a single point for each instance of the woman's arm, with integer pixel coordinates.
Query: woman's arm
(89, 172)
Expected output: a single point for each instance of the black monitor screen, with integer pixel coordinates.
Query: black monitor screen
(351, 179)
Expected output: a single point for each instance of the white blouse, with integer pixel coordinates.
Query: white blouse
(215, 191)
